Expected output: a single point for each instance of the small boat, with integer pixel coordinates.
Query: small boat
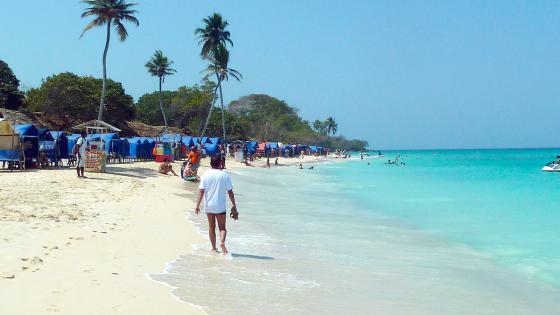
(551, 167)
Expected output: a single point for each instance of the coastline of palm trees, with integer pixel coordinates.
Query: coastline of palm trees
(160, 66)
(109, 12)
(214, 37)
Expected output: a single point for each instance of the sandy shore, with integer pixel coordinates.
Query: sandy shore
(85, 246)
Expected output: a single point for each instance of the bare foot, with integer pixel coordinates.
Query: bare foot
(224, 249)
(213, 250)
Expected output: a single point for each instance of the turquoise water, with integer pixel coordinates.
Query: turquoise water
(450, 232)
(496, 201)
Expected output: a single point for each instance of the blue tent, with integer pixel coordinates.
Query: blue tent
(72, 139)
(170, 137)
(29, 135)
(187, 140)
(272, 145)
(313, 148)
(252, 147)
(205, 140)
(149, 144)
(216, 140)
(46, 142)
(125, 148)
(136, 148)
(211, 149)
(112, 142)
(61, 143)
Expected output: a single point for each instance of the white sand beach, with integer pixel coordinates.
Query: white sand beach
(85, 246)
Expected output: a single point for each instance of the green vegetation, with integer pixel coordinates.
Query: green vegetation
(66, 99)
(10, 95)
(159, 66)
(108, 12)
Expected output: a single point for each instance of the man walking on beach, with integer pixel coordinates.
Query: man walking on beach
(213, 187)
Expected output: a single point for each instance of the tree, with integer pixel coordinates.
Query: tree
(67, 99)
(219, 66)
(214, 38)
(331, 126)
(109, 12)
(320, 127)
(159, 66)
(10, 96)
(213, 34)
(148, 111)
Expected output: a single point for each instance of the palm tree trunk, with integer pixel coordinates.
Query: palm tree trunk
(214, 98)
(161, 107)
(223, 113)
(103, 89)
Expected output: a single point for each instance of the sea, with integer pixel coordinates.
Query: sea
(439, 232)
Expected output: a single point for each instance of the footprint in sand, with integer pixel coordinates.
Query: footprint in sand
(6, 275)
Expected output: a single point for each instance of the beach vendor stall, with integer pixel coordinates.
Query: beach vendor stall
(99, 134)
(163, 151)
(10, 147)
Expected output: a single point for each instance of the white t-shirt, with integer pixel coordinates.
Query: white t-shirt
(82, 143)
(216, 184)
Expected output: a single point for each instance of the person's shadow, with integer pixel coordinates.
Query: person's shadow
(251, 256)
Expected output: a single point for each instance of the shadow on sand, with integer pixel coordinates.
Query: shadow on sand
(134, 172)
(235, 255)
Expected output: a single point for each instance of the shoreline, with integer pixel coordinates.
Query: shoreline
(96, 239)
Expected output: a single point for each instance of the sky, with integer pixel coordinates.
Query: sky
(399, 74)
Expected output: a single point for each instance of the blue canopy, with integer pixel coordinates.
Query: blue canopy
(45, 134)
(72, 139)
(170, 138)
(27, 130)
(29, 134)
(61, 143)
(112, 142)
(137, 148)
(252, 147)
(272, 145)
(187, 140)
(211, 149)
(216, 140)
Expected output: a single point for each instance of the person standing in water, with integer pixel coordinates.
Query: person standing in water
(213, 187)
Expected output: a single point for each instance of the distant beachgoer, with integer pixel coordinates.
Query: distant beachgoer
(276, 162)
(300, 166)
(268, 161)
(368, 163)
(80, 153)
(166, 167)
(194, 160)
(213, 187)
(312, 167)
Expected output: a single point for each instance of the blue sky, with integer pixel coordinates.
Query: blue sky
(400, 74)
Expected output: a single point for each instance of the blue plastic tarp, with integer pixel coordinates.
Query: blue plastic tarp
(27, 130)
(216, 140)
(9, 155)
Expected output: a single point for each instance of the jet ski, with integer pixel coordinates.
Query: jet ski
(551, 167)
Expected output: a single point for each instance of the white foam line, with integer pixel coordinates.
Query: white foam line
(204, 309)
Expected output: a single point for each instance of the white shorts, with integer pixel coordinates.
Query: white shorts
(81, 162)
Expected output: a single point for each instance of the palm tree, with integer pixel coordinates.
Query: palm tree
(331, 126)
(219, 67)
(212, 35)
(214, 38)
(159, 66)
(109, 12)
